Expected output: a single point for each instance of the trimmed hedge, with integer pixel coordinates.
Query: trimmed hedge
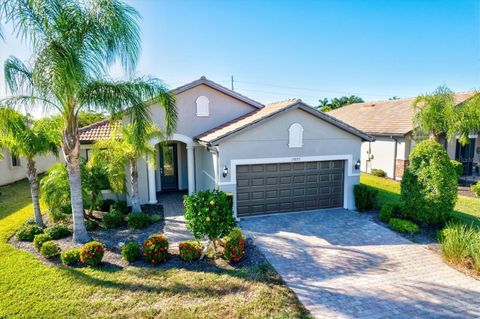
(131, 251)
(429, 184)
(378, 172)
(365, 197)
(70, 257)
(40, 239)
(58, 231)
(389, 211)
(28, 232)
(50, 249)
(403, 226)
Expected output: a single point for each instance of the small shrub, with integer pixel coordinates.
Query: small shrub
(155, 249)
(458, 167)
(28, 232)
(29, 221)
(190, 250)
(113, 219)
(71, 257)
(92, 253)
(429, 184)
(138, 220)
(40, 239)
(209, 214)
(121, 206)
(58, 231)
(91, 224)
(50, 249)
(105, 205)
(131, 251)
(234, 249)
(403, 226)
(389, 211)
(378, 172)
(476, 188)
(365, 197)
(155, 218)
(456, 240)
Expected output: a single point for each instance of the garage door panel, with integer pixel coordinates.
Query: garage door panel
(285, 187)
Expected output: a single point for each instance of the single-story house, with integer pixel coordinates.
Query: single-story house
(390, 122)
(280, 157)
(13, 168)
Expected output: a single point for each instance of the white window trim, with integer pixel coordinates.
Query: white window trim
(294, 144)
(200, 111)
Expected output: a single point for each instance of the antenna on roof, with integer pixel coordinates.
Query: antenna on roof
(232, 83)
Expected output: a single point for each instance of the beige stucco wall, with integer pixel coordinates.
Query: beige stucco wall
(270, 141)
(205, 174)
(10, 174)
(383, 152)
(223, 108)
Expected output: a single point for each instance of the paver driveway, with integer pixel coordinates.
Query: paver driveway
(341, 265)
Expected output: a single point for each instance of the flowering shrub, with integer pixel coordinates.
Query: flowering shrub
(92, 253)
(190, 250)
(234, 245)
(155, 249)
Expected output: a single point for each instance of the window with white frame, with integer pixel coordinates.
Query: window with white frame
(203, 105)
(295, 135)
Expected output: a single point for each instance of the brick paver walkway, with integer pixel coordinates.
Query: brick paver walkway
(175, 227)
(341, 265)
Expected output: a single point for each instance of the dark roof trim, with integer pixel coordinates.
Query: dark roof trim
(298, 105)
(203, 80)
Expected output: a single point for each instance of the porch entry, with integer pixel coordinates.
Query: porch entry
(169, 167)
(465, 155)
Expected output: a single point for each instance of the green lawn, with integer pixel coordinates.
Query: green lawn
(467, 208)
(31, 289)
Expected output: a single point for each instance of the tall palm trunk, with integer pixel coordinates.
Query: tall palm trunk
(134, 181)
(71, 151)
(33, 180)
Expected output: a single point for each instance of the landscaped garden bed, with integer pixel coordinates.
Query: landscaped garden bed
(424, 212)
(211, 288)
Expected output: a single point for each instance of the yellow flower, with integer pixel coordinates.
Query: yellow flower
(212, 202)
(207, 219)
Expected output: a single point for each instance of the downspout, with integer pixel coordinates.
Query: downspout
(395, 158)
(216, 169)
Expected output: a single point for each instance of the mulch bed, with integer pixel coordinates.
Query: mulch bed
(114, 239)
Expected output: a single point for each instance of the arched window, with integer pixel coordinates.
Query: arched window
(202, 106)
(295, 135)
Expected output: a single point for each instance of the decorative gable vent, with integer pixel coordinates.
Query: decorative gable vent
(203, 105)
(295, 135)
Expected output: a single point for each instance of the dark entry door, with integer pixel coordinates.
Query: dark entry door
(168, 167)
(287, 187)
(464, 154)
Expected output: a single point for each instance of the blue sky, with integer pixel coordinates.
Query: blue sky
(308, 49)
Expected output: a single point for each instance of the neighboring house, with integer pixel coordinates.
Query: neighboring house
(279, 157)
(390, 122)
(13, 168)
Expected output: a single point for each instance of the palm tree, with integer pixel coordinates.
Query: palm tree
(74, 43)
(124, 148)
(435, 113)
(26, 138)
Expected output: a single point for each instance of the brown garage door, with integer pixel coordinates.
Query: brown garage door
(287, 187)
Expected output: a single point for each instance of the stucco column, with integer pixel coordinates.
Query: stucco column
(191, 169)
(152, 186)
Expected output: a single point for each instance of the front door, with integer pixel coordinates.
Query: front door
(464, 154)
(168, 167)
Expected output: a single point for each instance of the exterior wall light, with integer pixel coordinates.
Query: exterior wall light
(225, 171)
(357, 165)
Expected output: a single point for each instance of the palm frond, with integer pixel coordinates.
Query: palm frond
(18, 76)
(29, 102)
